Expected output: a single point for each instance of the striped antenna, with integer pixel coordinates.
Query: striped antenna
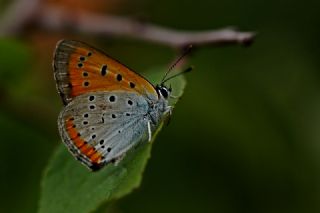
(186, 52)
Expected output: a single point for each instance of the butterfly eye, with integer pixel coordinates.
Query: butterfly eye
(164, 92)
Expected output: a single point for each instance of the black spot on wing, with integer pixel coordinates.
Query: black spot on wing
(104, 70)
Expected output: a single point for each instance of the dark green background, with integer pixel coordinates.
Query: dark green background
(244, 138)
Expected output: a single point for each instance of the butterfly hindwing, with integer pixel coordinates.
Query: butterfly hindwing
(79, 69)
(101, 127)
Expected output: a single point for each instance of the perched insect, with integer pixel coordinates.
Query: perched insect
(108, 107)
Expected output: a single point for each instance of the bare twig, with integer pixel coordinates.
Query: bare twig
(59, 19)
(56, 18)
(17, 15)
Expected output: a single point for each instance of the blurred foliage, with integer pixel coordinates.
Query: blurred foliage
(67, 185)
(244, 138)
(13, 68)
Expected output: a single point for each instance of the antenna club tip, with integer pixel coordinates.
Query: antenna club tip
(190, 68)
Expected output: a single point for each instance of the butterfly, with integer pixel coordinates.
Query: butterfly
(109, 108)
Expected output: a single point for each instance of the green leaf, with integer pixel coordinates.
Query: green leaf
(68, 186)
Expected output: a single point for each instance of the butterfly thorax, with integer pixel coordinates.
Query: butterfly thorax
(157, 111)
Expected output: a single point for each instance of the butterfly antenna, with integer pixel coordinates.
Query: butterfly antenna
(186, 52)
(180, 73)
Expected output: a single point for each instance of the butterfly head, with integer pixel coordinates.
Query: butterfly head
(163, 91)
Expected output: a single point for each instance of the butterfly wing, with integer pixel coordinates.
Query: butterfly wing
(79, 69)
(101, 127)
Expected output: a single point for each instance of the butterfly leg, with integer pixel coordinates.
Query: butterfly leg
(117, 160)
(149, 131)
(168, 114)
(175, 97)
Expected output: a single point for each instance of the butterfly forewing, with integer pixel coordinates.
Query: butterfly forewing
(79, 69)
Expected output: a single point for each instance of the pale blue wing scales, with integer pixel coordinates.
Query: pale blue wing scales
(112, 122)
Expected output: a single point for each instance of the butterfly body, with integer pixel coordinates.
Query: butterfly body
(109, 108)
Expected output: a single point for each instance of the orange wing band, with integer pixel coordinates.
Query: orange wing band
(80, 69)
(85, 148)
